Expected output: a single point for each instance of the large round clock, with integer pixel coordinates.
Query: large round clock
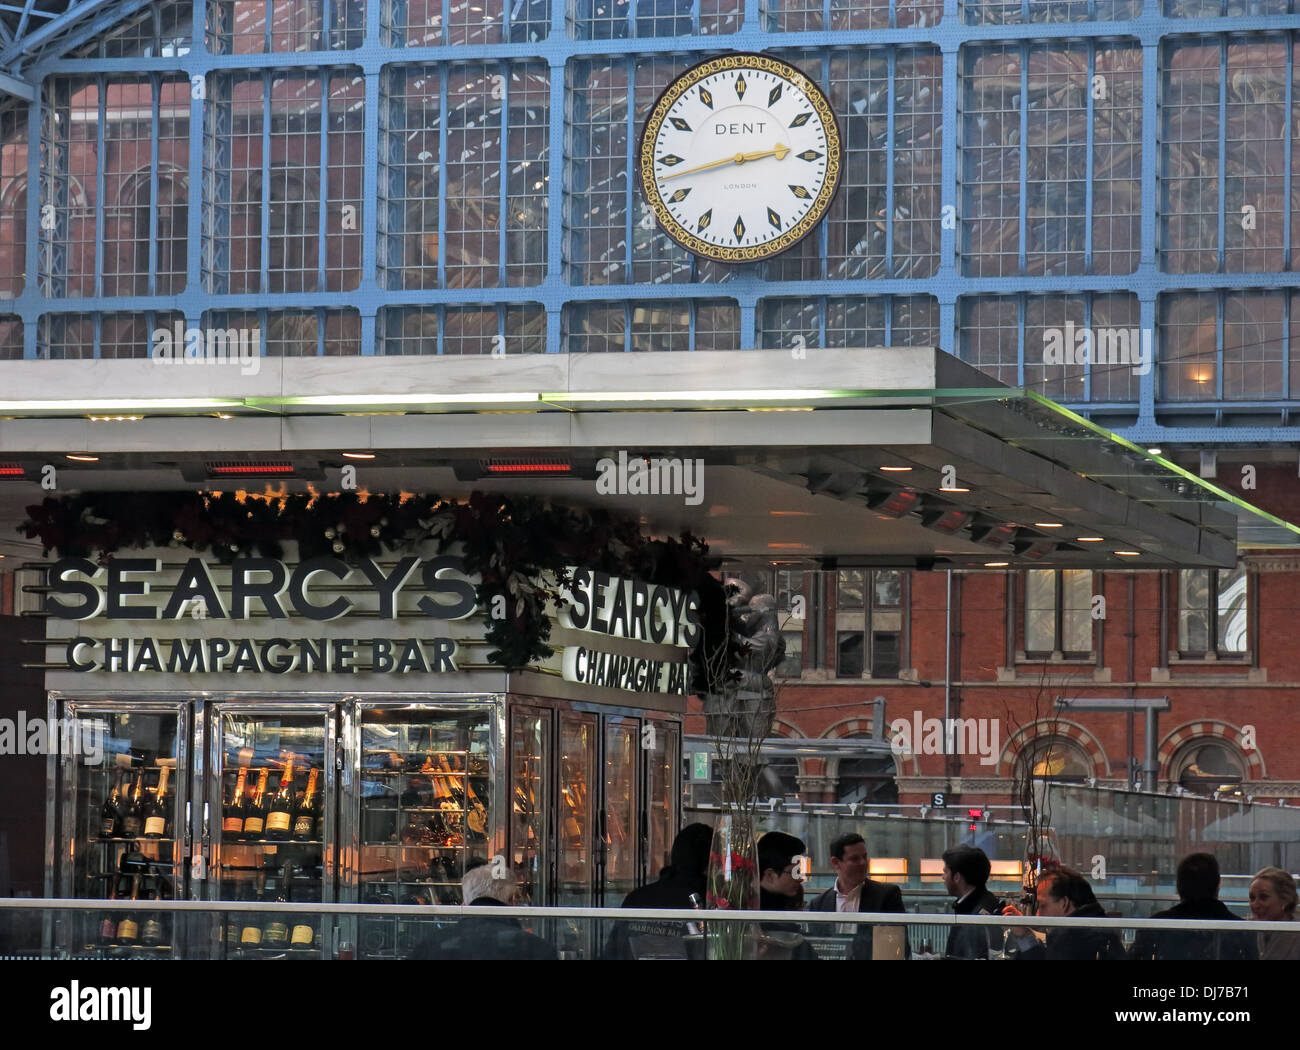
(740, 158)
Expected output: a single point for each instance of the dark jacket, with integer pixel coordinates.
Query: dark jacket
(1194, 944)
(974, 942)
(486, 938)
(1064, 943)
(782, 940)
(652, 939)
(875, 897)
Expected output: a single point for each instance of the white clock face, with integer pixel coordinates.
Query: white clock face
(740, 158)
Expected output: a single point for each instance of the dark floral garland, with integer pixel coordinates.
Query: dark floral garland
(517, 545)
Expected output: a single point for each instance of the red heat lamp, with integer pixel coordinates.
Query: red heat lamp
(523, 468)
(249, 470)
(948, 521)
(11, 470)
(894, 504)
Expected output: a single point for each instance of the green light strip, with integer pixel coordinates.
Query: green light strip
(1172, 467)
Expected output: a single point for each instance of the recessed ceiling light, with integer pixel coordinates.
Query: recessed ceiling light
(358, 455)
(1047, 525)
(1154, 451)
(1129, 554)
(82, 457)
(224, 415)
(896, 468)
(996, 564)
(116, 419)
(1088, 539)
(953, 490)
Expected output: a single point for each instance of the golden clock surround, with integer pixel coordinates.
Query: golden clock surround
(659, 112)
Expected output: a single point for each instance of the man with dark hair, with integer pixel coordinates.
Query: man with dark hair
(854, 892)
(1197, 882)
(965, 872)
(1063, 892)
(779, 857)
(684, 878)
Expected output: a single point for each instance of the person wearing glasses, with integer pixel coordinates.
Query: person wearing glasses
(781, 889)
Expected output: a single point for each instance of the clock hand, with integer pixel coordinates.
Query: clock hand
(779, 151)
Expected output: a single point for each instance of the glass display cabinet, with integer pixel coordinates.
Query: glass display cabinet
(269, 820)
(116, 823)
(422, 809)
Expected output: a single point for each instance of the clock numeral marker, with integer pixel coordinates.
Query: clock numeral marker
(773, 218)
(801, 193)
(740, 86)
(679, 124)
(706, 98)
(739, 229)
(705, 219)
(678, 197)
(800, 120)
(809, 154)
(773, 95)
(670, 160)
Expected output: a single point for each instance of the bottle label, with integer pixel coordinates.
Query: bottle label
(251, 935)
(302, 827)
(233, 824)
(127, 930)
(302, 935)
(107, 928)
(106, 829)
(277, 821)
(153, 930)
(253, 826)
(155, 825)
(276, 932)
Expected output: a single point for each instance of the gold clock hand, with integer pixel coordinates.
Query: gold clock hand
(778, 151)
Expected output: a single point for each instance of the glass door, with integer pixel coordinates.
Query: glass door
(123, 823)
(271, 823)
(663, 792)
(621, 832)
(424, 812)
(530, 754)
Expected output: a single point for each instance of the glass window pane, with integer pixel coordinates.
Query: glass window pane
(1076, 611)
(884, 654)
(1040, 611)
(888, 587)
(851, 594)
(621, 751)
(849, 662)
(1193, 610)
(1232, 617)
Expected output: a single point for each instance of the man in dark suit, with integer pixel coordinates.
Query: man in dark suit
(966, 869)
(1197, 882)
(854, 892)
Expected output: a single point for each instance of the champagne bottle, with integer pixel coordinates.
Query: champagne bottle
(275, 930)
(255, 814)
(279, 812)
(309, 810)
(108, 925)
(232, 819)
(155, 809)
(133, 821)
(128, 929)
(151, 934)
(233, 922)
(250, 934)
(110, 813)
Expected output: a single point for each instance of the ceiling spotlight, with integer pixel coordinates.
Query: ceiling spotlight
(896, 469)
(358, 455)
(1047, 525)
(116, 419)
(953, 489)
(996, 564)
(82, 457)
(1089, 539)
(1129, 554)
(1154, 451)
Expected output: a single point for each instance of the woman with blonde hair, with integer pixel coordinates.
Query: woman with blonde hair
(1273, 899)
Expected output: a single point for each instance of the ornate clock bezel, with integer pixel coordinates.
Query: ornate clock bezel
(659, 113)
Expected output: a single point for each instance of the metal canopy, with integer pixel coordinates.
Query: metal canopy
(846, 457)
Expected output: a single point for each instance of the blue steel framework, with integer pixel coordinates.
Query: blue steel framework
(565, 40)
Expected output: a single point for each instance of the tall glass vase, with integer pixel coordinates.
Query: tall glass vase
(733, 886)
